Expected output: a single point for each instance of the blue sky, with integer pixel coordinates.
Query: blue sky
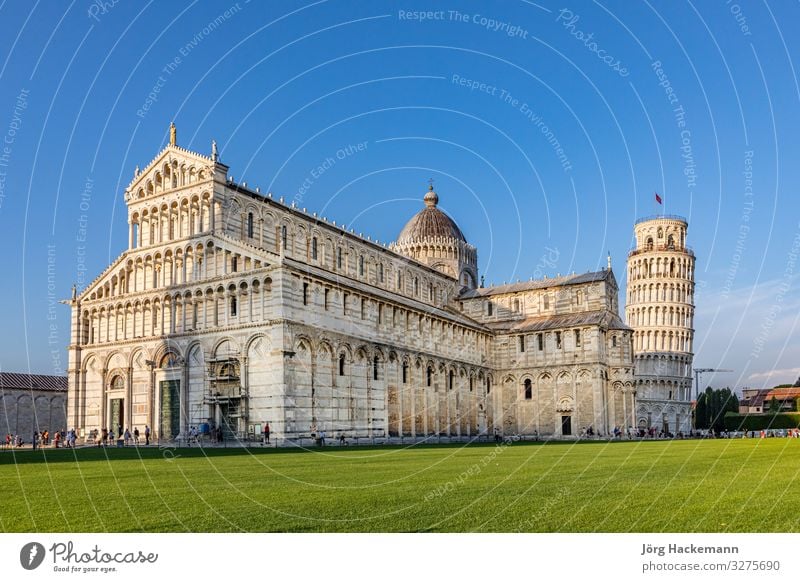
(546, 127)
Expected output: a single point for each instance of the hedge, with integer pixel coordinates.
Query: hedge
(734, 421)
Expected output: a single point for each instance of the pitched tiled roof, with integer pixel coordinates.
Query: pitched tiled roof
(784, 393)
(604, 319)
(538, 284)
(16, 381)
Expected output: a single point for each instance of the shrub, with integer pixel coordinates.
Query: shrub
(734, 421)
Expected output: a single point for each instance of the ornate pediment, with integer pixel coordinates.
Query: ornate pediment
(174, 167)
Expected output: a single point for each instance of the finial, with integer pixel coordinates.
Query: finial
(482, 281)
(136, 171)
(74, 292)
(609, 260)
(214, 154)
(431, 198)
(173, 134)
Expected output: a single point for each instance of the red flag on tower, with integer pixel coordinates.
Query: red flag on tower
(658, 198)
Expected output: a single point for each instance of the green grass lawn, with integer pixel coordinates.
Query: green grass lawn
(748, 485)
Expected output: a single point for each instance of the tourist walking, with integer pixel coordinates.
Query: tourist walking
(136, 436)
(146, 435)
(266, 433)
(127, 436)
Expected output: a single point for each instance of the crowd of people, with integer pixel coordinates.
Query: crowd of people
(45, 438)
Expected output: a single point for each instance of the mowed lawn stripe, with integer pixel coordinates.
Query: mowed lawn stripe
(519, 487)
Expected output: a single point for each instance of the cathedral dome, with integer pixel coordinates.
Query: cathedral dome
(430, 223)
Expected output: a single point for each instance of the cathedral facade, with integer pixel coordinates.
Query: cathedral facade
(231, 309)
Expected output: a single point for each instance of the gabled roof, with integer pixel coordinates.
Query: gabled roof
(19, 381)
(604, 275)
(601, 318)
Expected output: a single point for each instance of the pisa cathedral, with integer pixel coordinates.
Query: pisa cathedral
(233, 309)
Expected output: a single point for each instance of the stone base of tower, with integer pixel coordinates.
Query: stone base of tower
(667, 416)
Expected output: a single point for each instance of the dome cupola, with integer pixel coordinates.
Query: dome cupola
(433, 238)
(430, 223)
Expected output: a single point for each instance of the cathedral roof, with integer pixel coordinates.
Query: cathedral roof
(602, 318)
(430, 223)
(538, 284)
(22, 381)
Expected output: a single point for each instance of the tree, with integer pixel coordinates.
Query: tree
(701, 412)
(797, 384)
(774, 406)
(711, 407)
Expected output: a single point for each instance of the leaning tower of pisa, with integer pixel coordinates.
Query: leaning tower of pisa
(660, 309)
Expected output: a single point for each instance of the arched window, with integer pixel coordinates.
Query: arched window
(670, 242)
(405, 372)
(117, 383)
(416, 286)
(314, 248)
(375, 368)
(339, 258)
(341, 364)
(284, 237)
(450, 380)
(380, 272)
(649, 243)
(233, 305)
(528, 389)
(516, 305)
(250, 224)
(361, 266)
(488, 385)
(660, 233)
(429, 376)
(489, 308)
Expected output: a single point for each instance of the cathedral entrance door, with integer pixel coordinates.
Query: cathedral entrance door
(117, 416)
(170, 421)
(566, 425)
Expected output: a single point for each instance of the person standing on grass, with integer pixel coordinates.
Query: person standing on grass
(146, 435)
(136, 436)
(127, 436)
(266, 433)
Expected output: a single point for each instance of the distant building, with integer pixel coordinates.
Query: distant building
(32, 402)
(752, 400)
(786, 396)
